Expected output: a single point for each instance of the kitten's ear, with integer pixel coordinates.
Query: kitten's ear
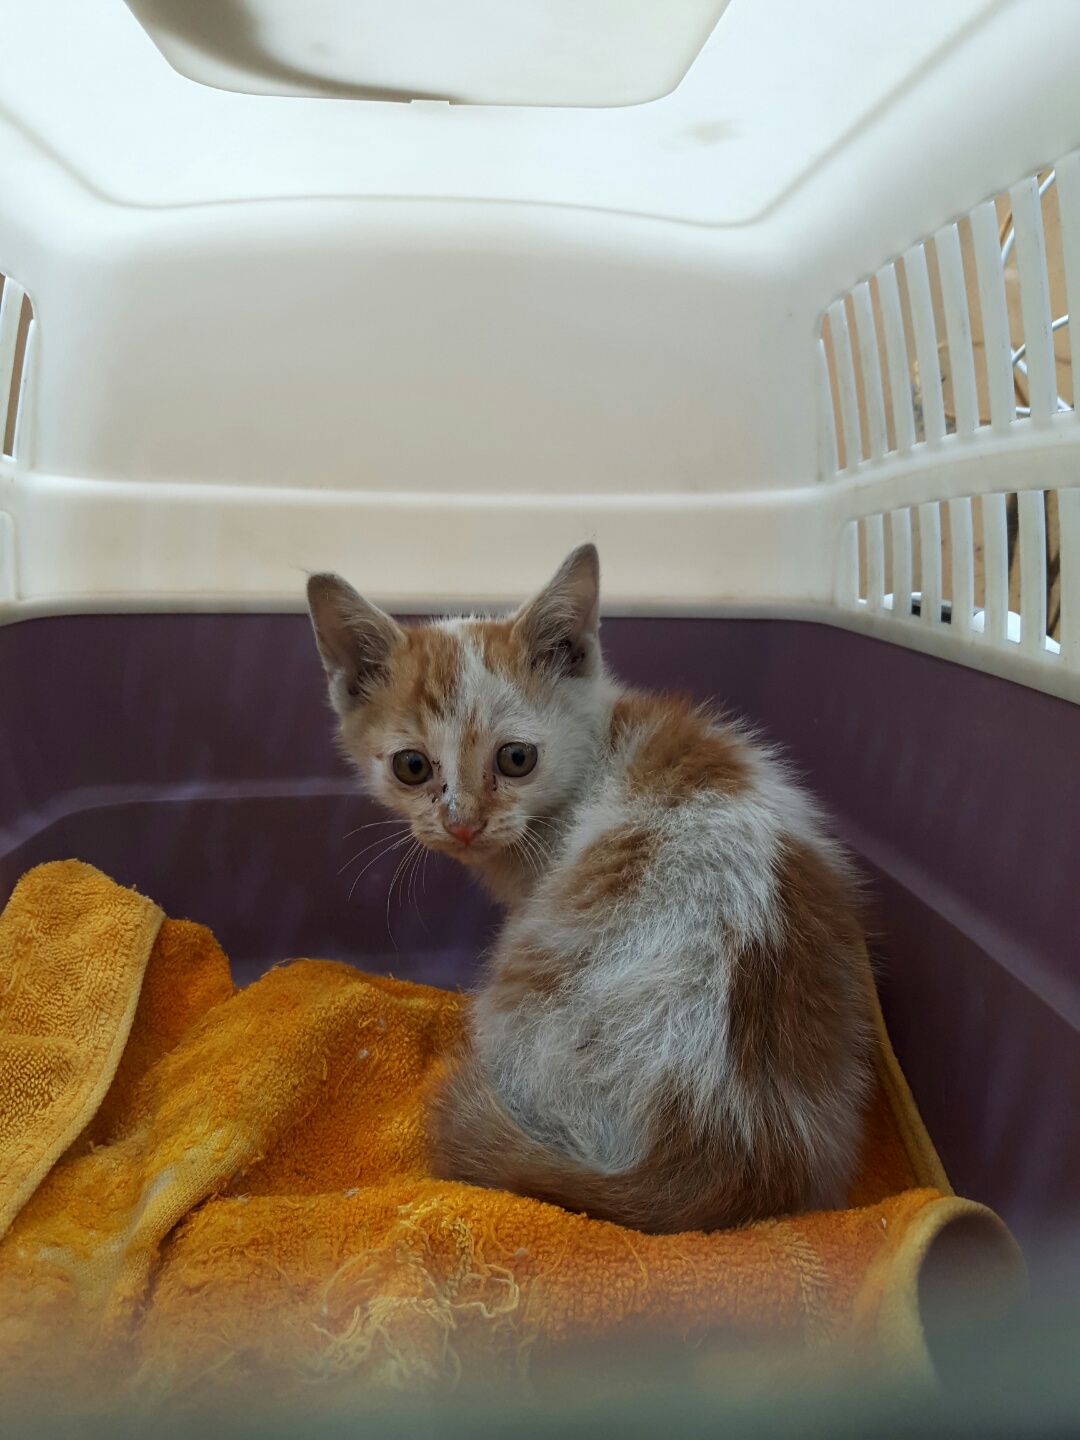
(559, 626)
(355, 639)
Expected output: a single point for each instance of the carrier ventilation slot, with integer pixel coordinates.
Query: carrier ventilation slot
(1000, 570)
(17, 342)
(968, 331)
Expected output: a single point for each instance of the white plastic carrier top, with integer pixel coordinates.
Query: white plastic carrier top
(763, 296)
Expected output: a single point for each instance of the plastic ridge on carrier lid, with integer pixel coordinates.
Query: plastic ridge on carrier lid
(585, 53)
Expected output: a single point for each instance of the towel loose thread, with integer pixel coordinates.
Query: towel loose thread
(231, 1188)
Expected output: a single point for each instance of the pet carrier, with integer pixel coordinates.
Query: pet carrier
(776, 302)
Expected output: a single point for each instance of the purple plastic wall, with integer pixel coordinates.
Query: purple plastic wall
(191, 756)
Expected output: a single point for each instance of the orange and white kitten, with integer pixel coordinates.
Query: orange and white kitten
(673, 1028)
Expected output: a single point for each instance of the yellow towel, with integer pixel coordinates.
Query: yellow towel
(210, 1187)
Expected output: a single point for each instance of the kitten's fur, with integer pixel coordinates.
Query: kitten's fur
(672, 1030)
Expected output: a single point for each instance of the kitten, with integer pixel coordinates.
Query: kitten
(673, 1028)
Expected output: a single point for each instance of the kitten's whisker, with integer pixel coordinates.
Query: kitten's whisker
(419, 862)
(370, 825)
(398, 873)
(402, 860)
(410, 884)
(524, 858)
(524, 846)
(548, 840)
(389, 894)
(402, 863)
(394, 845)
(543, 855)
(417, 871)
(366, 848)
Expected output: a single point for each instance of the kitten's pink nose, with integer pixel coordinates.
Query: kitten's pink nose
(464, 834)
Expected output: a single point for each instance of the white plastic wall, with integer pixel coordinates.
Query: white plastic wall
(433, 345)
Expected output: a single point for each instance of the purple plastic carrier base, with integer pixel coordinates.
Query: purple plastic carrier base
(192, 757)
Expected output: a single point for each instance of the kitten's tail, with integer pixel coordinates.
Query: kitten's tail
(474, 1139)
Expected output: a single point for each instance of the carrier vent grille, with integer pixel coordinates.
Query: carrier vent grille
(1000, 570)
(968, 330)
(17, 342)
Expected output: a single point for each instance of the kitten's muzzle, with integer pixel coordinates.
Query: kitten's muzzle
(464, 834)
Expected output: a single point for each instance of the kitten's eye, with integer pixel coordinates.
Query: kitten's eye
(516, 759)
(411, 768)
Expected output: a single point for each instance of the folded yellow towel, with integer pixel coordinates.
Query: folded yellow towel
(203, 1186)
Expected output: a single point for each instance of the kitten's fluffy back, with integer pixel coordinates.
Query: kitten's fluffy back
(676, 1025)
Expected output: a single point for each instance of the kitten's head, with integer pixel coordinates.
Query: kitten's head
(469, 729)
